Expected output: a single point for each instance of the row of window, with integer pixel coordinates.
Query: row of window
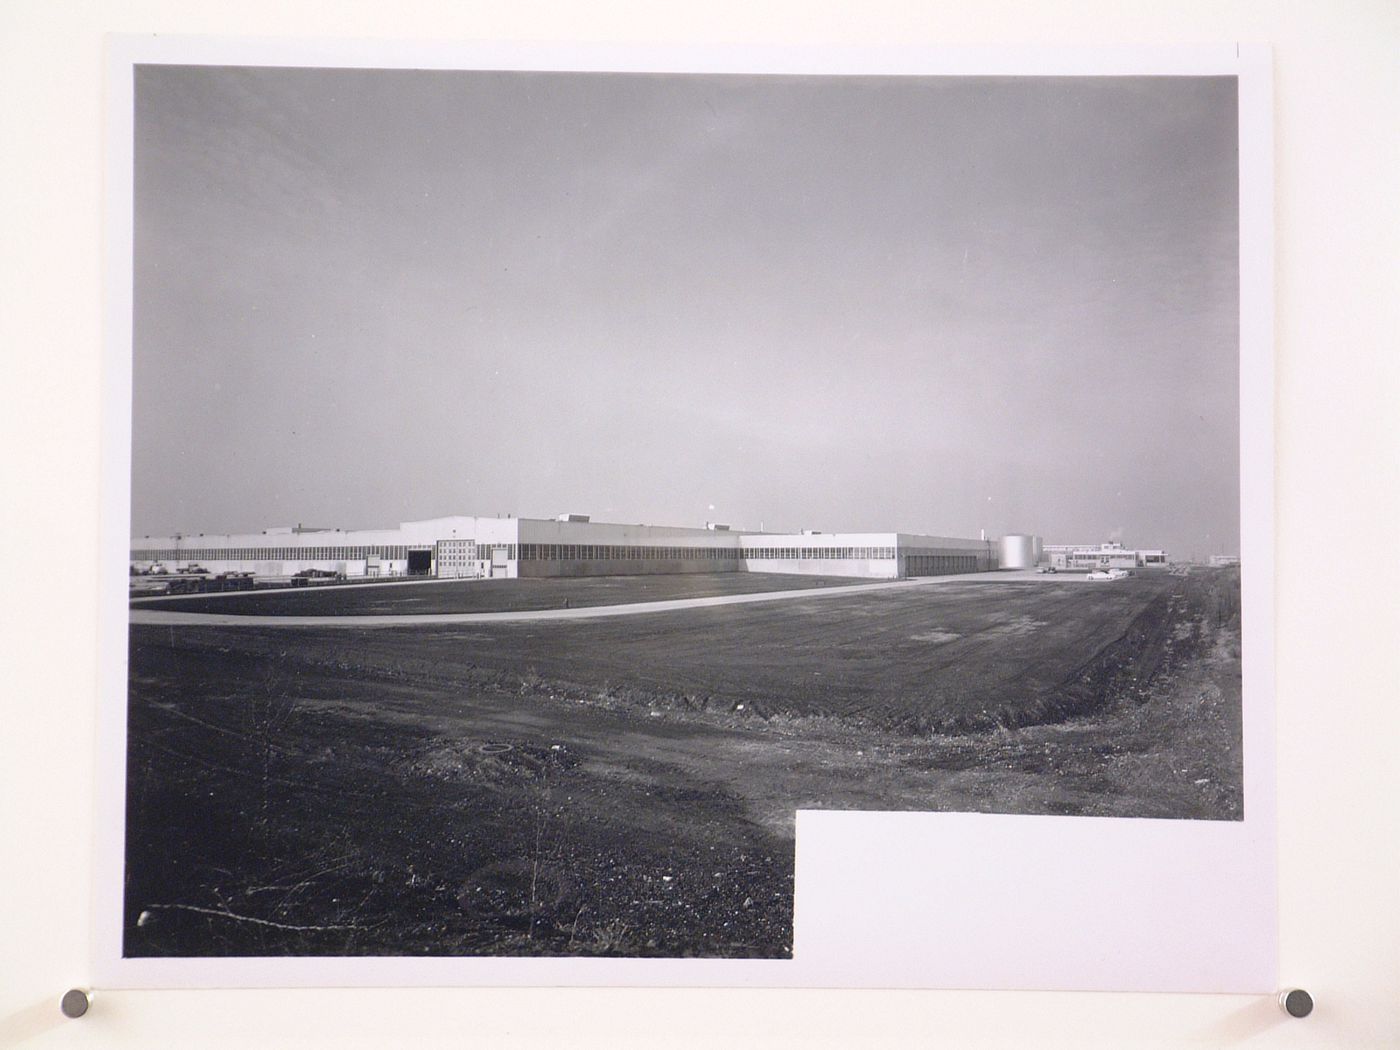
(605, 552)
(942, 553)
(270, 553)
(458, 551)
(819, 553)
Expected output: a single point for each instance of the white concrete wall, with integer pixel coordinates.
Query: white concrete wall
(427, 531)
(874, 568)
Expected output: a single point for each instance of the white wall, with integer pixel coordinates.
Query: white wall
(875, 568)
(1337, 379)
(483, 530)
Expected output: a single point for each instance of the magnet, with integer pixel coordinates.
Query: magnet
(75, 1002)
(1296, 1002)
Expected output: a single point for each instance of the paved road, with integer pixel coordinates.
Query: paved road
(189, 619)
(144, 615)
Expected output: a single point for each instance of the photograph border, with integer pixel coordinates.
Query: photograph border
(1154, 861)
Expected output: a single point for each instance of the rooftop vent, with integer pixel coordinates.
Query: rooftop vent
(573, 517)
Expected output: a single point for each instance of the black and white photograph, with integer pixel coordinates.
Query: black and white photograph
(544, 484)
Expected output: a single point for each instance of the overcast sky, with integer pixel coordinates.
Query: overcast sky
(919, 304)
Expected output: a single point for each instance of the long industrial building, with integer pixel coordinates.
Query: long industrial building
(1089, 556)
(570, 545)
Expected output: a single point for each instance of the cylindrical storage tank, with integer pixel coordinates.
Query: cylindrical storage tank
(1039, 545)
(1018, 552)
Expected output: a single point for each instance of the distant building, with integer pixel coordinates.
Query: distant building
(1219, 561)
(570, 545)
(1103, 556)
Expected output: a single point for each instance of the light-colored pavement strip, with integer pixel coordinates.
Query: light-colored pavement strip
(141, 615)
(593, 612)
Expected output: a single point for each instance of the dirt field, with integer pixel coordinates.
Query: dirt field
(468, 596)
(628, 788)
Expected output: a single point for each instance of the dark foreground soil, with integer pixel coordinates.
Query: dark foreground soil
(528, 792)
(470, 596)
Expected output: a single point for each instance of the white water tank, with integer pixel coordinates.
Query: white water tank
(1018, 552)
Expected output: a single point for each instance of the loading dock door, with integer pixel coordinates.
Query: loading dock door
(420, 563)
